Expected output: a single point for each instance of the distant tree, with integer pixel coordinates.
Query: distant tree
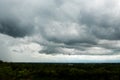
(1, 61)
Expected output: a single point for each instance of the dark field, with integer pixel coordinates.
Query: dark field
(47, 71)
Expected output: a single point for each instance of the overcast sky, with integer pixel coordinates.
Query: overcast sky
(60, 30)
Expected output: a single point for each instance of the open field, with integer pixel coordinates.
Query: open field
(54, 71)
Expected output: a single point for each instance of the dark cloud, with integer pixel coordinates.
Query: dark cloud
(102, 21)
(50, 50)
(10, 21)
(71, 26)
(13, 28)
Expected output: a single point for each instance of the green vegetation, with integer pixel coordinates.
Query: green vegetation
(45, 71)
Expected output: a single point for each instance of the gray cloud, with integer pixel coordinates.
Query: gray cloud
(50, 50)
(13, 28)
(11, 19)
(64, 27)
(4, 51)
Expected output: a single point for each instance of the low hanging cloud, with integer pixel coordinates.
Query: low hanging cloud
(70, 27)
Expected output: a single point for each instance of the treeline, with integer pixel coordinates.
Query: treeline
(47, 71)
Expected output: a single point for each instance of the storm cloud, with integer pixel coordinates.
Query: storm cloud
(74, 27)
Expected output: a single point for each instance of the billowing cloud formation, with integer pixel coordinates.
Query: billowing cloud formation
(74, 27)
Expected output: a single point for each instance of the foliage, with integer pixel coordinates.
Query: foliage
(47, 71)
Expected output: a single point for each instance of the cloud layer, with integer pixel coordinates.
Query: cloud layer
(55, 27)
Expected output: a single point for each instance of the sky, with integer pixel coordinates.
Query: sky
(60, 31)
